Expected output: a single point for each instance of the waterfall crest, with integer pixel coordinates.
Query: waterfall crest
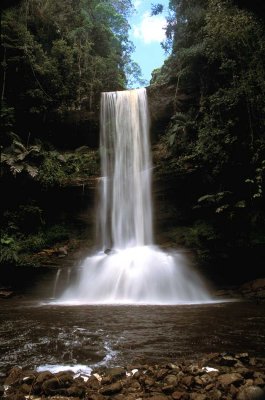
(129, 269)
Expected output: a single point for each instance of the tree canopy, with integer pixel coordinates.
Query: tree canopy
(217, 131)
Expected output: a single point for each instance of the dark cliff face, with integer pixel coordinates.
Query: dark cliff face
(161, 107)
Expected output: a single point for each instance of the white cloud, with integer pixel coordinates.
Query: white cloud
(137, 3)
(150, 28)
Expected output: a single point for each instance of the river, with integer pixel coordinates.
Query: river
(49, 336)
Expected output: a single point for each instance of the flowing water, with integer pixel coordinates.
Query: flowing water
(46, 336)
(129, 269)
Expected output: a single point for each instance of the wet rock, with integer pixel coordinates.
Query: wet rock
(43, 376)
(174, 367)
(158, 397)
(198, 396)
(171, 380)
(245, 372)
(93, 382)
(188, 380)
(257, 374)
(161, 373)
(14, 377)
(244, 357)
(228, 379)
(251, 393)
(30, 378)
(107, 251)
(229, 361)
(25, 388)
(15, 396)
(2, 390)
(64, 376)
(203, 380)
(95, 396)
(115, 373)
(259, 382)
(233, 390)
(51, 386)
(76, 391)
(180, 395)
(214, 394)
(111, 389)
(106, 380)
(149, 381)
(168, 389)
(121, 397)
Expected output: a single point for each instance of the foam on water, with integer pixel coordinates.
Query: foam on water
(141, 275)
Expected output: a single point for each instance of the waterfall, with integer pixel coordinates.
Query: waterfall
(126, 207)
(129, 268)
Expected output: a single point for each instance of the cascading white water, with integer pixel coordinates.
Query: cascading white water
(126, 207)
(129, 268)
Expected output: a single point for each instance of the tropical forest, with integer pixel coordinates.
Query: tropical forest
(132, 212)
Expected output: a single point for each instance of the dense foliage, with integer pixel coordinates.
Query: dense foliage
(56, 58)
(63, 54)
(217, 132)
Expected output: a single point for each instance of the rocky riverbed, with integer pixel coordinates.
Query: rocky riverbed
(213, 377)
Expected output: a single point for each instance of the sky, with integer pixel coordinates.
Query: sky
(147, 33)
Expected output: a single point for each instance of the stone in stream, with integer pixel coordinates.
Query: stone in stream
(51, 386)
(44, 376)
(111, 389)
(14, 377)
(171, 380)
(229, 361)
(93, 382)
(76, 391)
(215, 394)
(198, 396)
(168, 389)
(180, 396)
(115, 373)
(251, 393)
(95, 396)
(228, 379)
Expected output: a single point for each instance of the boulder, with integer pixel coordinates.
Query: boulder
(95, 396)
(14, 377)
(115, 373)
(229, 361)
(109, 390)
(251, 393)
(76, 391)
(168, 389)
(215, 394)
(171, 380)
(51, 386)
(188, 380)
(180, 395)
(161, 373)
(228, 379)
(198, 396)
(93, 382)
(44, 376)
